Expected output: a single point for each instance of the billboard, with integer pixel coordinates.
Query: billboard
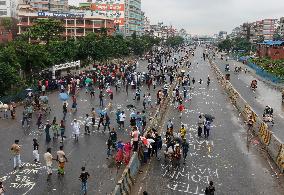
(110, 8)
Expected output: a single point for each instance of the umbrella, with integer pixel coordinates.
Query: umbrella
(29, 89)
(178, 140)
(209, 117)
(88, 80)
(102, 112)
(130, 106)
(43, 98)
(63, 96)
(133, 115)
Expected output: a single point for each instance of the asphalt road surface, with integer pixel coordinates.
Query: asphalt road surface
(224, 158)
(264, 95)
(89, 151)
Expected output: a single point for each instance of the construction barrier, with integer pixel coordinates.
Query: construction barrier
(272, 144)
(280, 158)
(123, 186)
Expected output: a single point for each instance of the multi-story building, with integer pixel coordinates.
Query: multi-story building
(222, 35)
(268, 28)
(58, 6)
(133, 17)
(256, 31)
(8, 8)
(281, 26)
(147, 25)
(49, 5)
(75, 24)
(127, 14)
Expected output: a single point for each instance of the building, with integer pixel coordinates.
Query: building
(8, 8)
(256, 31)
(133, 17)
(49, 5)
(281, 26)
(127, 14)
(268, 28)
(58, 6)
(271, 49)
(222, 35)
(147, 25)
(76, 24)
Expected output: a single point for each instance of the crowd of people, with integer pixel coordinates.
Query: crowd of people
(100, 81)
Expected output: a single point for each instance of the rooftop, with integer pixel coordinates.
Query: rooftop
(272, 43)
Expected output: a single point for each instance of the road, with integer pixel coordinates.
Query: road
(223, 158)
(90, 151)
(264, 95)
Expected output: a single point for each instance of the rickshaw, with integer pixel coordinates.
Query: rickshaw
(253, 85)
(268, 115)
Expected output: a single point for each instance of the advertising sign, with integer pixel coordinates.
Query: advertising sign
(110, 8)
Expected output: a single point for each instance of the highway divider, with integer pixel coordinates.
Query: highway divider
(273, 145)
(124, 184)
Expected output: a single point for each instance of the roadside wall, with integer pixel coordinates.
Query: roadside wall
(272, 144)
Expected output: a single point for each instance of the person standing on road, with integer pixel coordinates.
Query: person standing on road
(210, 190)
(2, 189)
(25, 117)
(84, 176)
(76, 129)
(107, 122)
(43, 88)
(207, 126)
(64, 110)
(93, 113)
(88, 122)
(101, 120)
(61, 158)
(182, 131)
(46, 129)
(48, 161)
(200, 123)
(135, 138)
(101, 97)
(16, 148)
(185, 147)
(62, 130)
(113, 138)
(35, 150)
(122, 117)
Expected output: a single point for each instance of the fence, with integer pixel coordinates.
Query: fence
(259, 70)
(272, 144)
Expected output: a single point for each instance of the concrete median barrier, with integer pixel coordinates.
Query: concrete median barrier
(273, 145)
(280, 158)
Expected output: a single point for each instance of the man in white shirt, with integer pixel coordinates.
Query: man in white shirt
(76, 129)
(122, 117)
(43, 90)
(48, 160)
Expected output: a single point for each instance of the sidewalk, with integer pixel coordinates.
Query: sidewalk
(265, 94)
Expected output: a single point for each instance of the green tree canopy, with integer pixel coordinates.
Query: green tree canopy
(46, 30)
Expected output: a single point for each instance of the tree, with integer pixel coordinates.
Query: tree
(7, 23)
(225, 45)
(46, 30)
(8, 77)
(32, 57)
(277, 37)
(242, 44)
(174, 41)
